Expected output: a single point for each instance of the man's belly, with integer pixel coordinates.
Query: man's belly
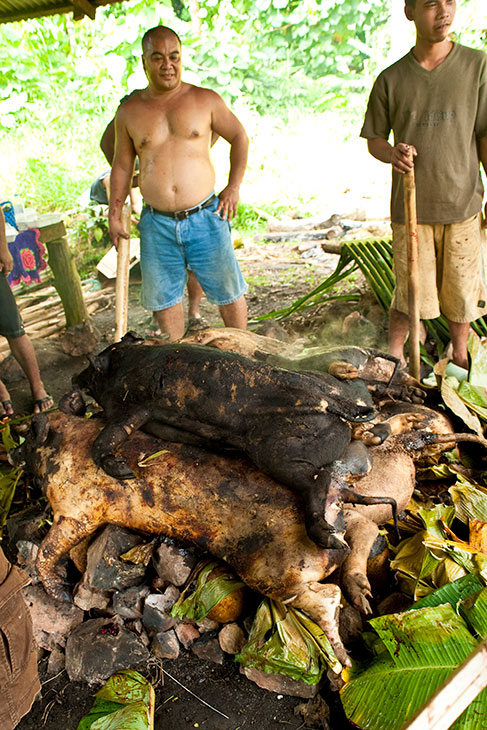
(172, 184)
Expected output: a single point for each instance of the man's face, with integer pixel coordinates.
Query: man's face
(162, 61)
(432, 18)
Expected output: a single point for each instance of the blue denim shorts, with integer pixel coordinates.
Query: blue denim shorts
(10, 319)
(202, 243)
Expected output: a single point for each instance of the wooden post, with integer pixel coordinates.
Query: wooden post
(454, 695)
(413, 271)
(66, 277)
(122, 282)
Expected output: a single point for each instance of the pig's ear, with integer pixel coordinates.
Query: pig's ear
(40, 428)
(100, 363)
(131, 337)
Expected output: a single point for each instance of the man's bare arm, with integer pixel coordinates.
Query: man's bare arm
(397, 156)
(482, 145)
(120, 178)
(225, 124)
(107, 141)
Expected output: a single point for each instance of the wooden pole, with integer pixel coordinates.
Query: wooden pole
(122, 282)
(454, 695)
(413, 270)
(66, 277)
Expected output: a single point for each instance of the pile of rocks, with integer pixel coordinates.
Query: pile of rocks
(121, 611)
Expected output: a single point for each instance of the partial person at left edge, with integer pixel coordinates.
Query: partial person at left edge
(12, 329)
(169, 126)
(19, 680)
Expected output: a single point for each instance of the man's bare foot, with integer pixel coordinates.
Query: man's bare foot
(6, 407)
(44, 402)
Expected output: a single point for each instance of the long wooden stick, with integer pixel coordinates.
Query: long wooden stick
(413, 270)
(454, 695)
(122, 282)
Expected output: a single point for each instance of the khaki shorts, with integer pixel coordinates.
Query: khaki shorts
(452, 278)
(19, 682)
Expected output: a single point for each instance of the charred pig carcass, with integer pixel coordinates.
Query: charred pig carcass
(379, 370)
(220, 503)
(293, 425)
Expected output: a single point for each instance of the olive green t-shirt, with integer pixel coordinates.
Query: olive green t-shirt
(442, 113)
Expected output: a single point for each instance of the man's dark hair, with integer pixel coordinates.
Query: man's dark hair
(152, 31)
(412, 3)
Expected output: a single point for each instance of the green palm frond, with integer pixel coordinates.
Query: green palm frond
(373, 257)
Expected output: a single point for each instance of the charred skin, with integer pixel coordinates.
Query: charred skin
(221, 504)
(379, 370)
(292, 425)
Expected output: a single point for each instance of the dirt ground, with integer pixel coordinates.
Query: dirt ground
(277, 275)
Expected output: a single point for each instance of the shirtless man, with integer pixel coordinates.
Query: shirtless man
(169, 126)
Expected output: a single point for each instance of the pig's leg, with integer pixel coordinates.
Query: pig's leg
(321, 602)
(64, 534)
(396, 425)
(114, 435)
(360, 534)
(323, 514)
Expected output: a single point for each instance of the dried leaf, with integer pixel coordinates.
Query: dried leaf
(139, 554)
(146, 460)
(478, 535)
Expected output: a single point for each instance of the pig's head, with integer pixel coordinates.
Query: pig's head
(100, 372)
(33, 454)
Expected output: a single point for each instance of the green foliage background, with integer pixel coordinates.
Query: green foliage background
(270, 59)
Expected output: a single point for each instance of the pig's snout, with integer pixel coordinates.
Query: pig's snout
(73, 403)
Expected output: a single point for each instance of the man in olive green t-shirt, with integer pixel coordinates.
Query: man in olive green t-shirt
(434, 100)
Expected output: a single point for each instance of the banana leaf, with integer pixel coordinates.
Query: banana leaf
(421, 648)
(468, 398)
(283, 640)
(477, 535)
(474, 610)
(436, 471)
(125, 702)
(477, 349)
(454, 593)
(207, 594)
(8, 441)
(449, 386)
(470, 500)
(430, 559)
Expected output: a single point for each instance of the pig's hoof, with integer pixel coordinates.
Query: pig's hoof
(408, 393)
(57, 591)
(115, 467)
(370, 436)
(343, 370)
(357, 588)
(404, 422)
(321, 534)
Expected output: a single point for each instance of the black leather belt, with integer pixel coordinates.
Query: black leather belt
(180, 215)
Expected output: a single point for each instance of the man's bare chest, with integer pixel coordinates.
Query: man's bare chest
(157, 126)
